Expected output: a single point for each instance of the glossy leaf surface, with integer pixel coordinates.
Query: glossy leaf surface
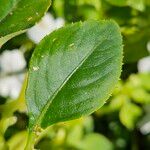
(18, 15)
(73, 72)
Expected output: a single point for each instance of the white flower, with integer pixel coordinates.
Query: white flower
(44, 27)
(145, 129)
(10, 86)
(144, 64)
(12, 61)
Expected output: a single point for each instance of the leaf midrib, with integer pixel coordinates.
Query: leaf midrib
(44, 110)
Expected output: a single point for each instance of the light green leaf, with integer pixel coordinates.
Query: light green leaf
(129, 115)
(18, 15)
(75, 135)
(136, 4)
(118, 101)
(4, 39)
(140, 95)
(118, 2)
(73, 72)
(18, 141)
(96, 142)
(145, 80)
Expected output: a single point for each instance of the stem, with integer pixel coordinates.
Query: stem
(30, 141)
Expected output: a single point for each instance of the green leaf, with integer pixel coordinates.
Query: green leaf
(145, 80)
(118, 3)
(147, 2)
(95, 3)
(96, 142)
(136, 4)
(17, 141)
(18, 15)
(135, 48)
(140, 95)
(6, 6)
(73, 72)
(4, 39)
(129, 115)
(118, 101)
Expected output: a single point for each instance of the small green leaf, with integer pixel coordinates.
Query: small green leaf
(73, 72)
(18, 15)
(96, 142)
(129, 114)
(140, 95)
(118, 101)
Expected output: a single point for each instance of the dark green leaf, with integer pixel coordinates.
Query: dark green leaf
(73, 72)
(135, 48)
(18, 15)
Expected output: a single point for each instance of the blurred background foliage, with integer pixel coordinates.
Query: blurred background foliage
(123, 123)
